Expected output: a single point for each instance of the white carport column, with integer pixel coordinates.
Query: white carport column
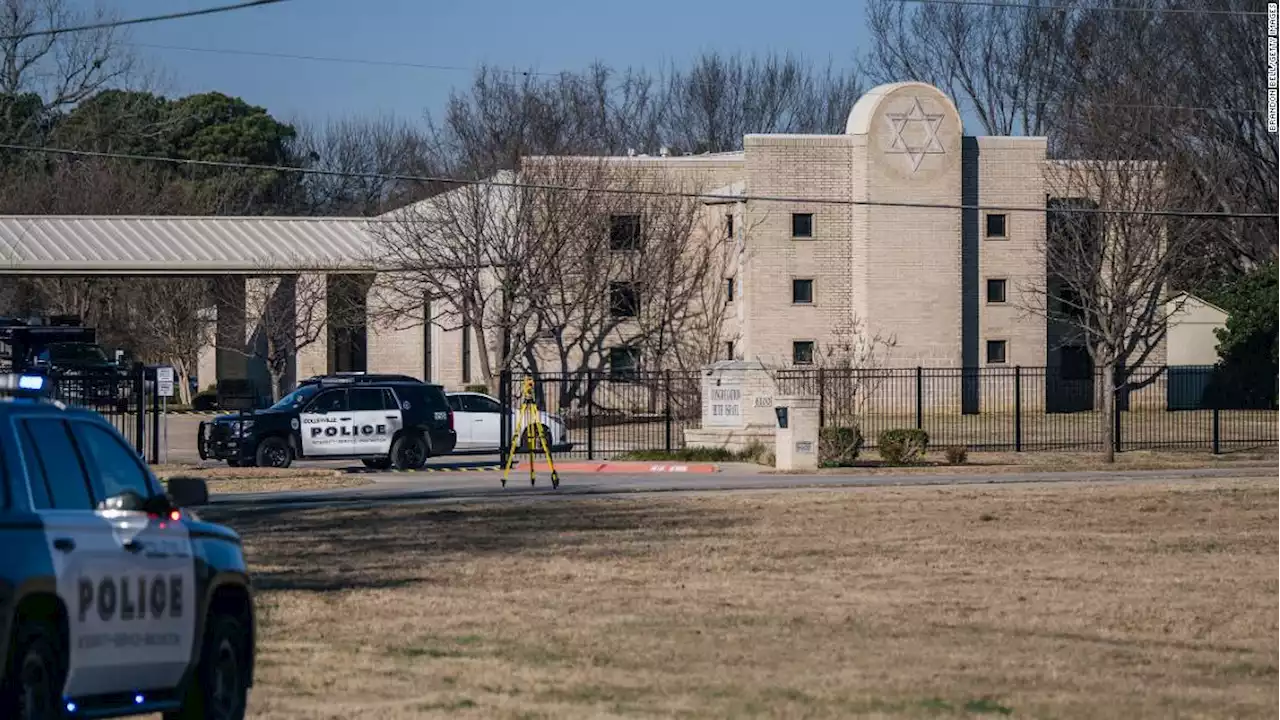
(229, 334)
(312, 303)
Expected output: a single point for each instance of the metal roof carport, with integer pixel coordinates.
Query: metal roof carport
(157, 245)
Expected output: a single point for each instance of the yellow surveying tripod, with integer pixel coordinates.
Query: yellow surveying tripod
(529, 424)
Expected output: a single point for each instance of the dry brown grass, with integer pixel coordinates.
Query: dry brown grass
(253, 479)
(1152, 599)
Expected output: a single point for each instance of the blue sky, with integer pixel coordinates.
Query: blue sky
(547, 35)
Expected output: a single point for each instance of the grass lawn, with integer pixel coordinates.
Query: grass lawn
(1153, 599)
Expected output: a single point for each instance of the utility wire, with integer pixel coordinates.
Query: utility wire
(1085, 8)
(141, 20)
(620, 191)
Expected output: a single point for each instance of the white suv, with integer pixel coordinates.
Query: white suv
(477, 418)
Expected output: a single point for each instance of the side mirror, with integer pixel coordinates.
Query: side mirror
(188, 491)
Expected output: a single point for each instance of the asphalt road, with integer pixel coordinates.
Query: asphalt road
(485, 486)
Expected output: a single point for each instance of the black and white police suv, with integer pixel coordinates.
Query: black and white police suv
(383, 420)
(115, 598)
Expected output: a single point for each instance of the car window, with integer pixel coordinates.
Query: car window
(40, 493)
(113, 466)
(480, 404)
(366, 399)
(389, 401)
(58, 462)
(455, 404)
(329, 401)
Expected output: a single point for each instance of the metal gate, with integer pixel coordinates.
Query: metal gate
(610, 414)
(126, 399)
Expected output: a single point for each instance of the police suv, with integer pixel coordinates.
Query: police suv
(383, 420)
(115, 599)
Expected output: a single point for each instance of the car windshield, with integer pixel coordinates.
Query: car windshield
(296, 398)
(77, 353)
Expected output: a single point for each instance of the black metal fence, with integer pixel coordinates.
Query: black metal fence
(126, 399)
(610, 414)
(1037, 408)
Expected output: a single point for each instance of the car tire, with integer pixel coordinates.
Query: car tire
(409, 452)
(274, 452)
(33, 690)
(219, 689)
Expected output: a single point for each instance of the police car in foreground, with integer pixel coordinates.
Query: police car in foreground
(114, 598)
(384, 420)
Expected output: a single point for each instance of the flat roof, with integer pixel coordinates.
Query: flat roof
(153, 245)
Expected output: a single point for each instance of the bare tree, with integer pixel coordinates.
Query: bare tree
(363, 153)
(711, 105)
(61, 69)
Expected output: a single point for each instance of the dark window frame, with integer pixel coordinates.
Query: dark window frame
(624, 299)
(1004, 226)
(625, 232)
(796, 284)
(1001, 283)
(796, 346)
(796, 218)
(1004, 351)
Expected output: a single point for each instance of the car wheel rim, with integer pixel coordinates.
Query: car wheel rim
(36, 684)
(225, 682)
(277, 456)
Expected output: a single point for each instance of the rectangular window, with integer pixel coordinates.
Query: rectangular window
(996, 225)
(802, 225)
(995, 290)
(802, 352)
(996, 351)
(728, 225)
(802, 292)
(728, 350)
(466, 354)
(623, 362)
(728, 289)
(624, 299)
(624, 232)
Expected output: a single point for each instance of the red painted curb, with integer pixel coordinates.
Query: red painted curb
(621, 467)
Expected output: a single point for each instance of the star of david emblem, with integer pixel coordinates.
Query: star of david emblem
(908, 130)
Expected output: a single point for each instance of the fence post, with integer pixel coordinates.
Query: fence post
(504, 392)
(919, 398)
(822, 398)
(666, 409)
(591, 415)
(1017, 408)
(1217, 431)
(155, 417)
(1115, 405)
(139, 409)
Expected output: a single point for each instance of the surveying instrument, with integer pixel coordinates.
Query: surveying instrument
(529, 424)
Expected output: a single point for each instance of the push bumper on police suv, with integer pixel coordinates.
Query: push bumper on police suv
(226, 438)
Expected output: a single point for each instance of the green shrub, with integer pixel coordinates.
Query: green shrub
(482, 389)
(839, 446)
(903, 446)
(957, 454)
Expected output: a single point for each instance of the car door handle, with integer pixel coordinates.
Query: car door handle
(64, 544)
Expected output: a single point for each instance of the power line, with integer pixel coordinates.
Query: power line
(331, 59)
(620, 191)
(141, 20)
(1085, 8)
